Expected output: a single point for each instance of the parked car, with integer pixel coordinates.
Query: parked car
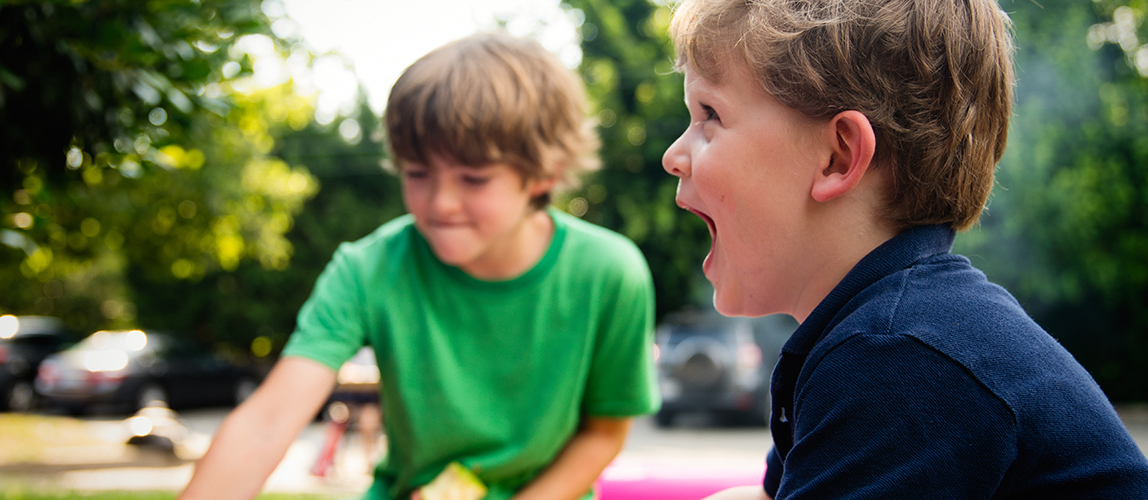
(24, 342)
(133, 369)
(719, 365)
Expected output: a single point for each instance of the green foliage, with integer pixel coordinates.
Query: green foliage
(129, 145)
(233, 308)
(627, 63)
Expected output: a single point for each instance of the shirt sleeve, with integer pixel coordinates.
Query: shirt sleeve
(330, 327)
(622, 380)
(886, 416)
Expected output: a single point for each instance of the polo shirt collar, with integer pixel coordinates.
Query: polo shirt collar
(901, 251)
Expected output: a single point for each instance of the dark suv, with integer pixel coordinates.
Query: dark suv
(711, 363)
(24, 342)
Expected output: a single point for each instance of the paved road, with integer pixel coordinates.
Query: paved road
(114, 466)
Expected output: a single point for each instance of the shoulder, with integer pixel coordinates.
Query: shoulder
(938, 350)
(898, 376)
(385, 236)
(392, 239)
(938, 319)
(945, 307)
(594, 244)
(937, 300)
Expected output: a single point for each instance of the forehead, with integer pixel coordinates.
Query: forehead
(435, 161)
(734, 83)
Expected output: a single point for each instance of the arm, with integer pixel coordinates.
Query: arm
(576, 468)
(740, 493)
(254, 437)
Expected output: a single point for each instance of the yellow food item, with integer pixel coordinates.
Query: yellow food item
(455, 482)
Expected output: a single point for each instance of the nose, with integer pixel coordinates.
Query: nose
(444, 196)
(676, 159)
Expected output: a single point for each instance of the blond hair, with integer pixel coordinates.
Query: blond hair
(493, 98)
(934, 77)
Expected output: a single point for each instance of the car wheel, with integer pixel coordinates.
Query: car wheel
(244, 389)
(21, 398)
(151, 394)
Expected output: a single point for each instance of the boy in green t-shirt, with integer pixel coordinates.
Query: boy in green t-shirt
(511, 338)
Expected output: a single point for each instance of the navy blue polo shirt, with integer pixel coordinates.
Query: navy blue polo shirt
(917, 378)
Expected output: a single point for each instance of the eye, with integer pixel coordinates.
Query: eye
(710, 113)
(475, 180)
(415, 173)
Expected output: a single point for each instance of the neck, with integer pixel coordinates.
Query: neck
(843, 232)
(842, 252)
(518, 254)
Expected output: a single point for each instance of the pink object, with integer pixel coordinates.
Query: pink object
(650, 478)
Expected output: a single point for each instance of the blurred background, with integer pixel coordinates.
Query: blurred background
(188, 168)
(174, 176)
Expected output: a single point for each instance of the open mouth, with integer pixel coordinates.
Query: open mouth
(709, 222)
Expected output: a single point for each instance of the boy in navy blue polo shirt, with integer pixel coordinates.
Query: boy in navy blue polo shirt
(834, 149)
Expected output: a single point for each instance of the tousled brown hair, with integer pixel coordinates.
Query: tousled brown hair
(934, 77)
(493, 98)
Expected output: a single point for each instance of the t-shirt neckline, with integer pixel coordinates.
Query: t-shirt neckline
(539, 269)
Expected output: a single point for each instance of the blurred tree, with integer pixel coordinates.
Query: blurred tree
(250, 310)
(627, 63)
(127, 144)
(1067, 226)
(1122, 23)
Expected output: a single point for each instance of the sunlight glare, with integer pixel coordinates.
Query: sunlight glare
(109, 360)
(9, 325)
(382, 37)
(135, 340)
(140, 425)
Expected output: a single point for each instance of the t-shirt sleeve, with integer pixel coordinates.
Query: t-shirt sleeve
(622, 380)
(330, 327)
(888, 417)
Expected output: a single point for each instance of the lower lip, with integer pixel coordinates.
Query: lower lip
(708, 263)
(711, 257)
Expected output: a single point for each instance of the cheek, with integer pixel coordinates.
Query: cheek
(413, 197)
(721, 184)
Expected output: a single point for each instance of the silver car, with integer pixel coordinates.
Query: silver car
(719, 365)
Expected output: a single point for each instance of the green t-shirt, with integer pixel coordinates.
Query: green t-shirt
(495, 375)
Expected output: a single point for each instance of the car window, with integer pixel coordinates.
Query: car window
(35, 341)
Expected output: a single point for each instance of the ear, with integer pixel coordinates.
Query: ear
(852, 144)
(538, 187)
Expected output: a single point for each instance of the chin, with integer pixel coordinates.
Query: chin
(450, 256)
(727, 306)
(737, 304)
